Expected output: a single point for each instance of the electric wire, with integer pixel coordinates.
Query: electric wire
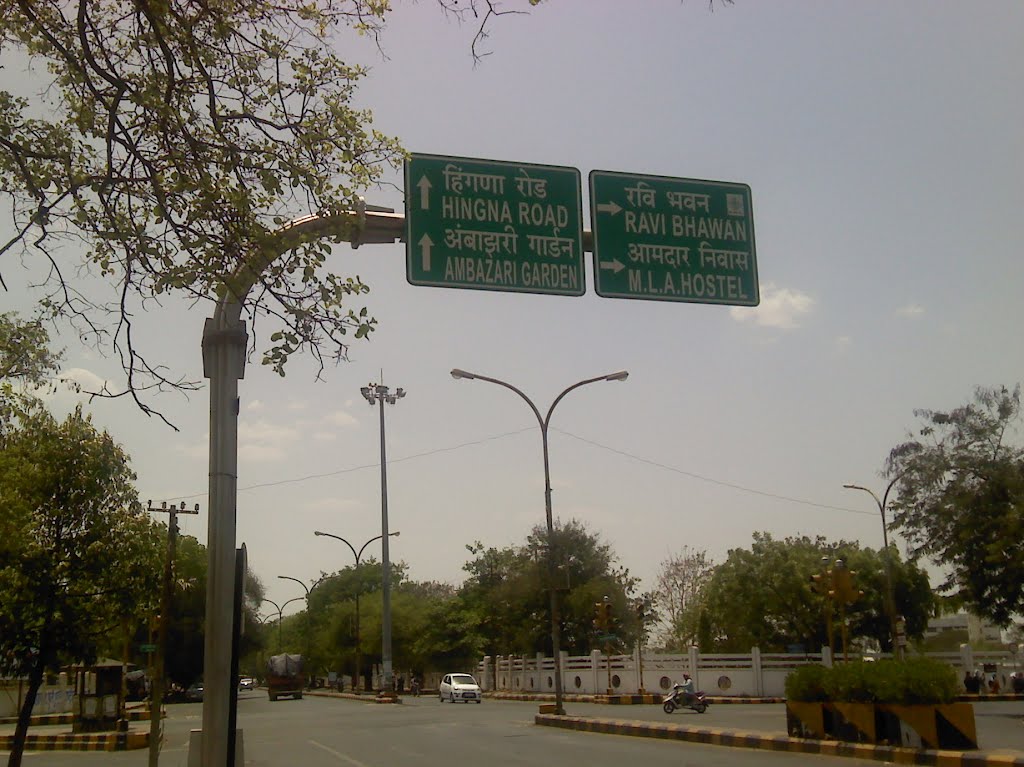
(592, 443)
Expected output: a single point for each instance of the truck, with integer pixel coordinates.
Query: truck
(284, 676)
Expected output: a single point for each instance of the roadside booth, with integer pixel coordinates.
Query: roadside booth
(98, 699)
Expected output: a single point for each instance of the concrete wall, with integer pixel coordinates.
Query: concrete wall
(52, 699)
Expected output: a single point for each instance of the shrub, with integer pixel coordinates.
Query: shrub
(917, 680)
(807, 683)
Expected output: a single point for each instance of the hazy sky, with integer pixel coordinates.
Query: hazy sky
(883, 146)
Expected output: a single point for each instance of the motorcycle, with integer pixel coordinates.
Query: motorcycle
(679, 698)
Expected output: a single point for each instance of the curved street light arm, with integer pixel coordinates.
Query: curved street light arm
(293, 599)
(620, 376)
(319, 533)
(301, 583)
(275, 604)
(536, 412)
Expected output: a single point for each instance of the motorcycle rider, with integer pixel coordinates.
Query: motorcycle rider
(688, 689)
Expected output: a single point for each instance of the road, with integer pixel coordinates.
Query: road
(325, 732)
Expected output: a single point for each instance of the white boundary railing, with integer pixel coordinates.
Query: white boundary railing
(753, 674)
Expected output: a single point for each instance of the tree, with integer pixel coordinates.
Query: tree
(680, 580)
(507, 591)
(76, 549)
(961, 500)
(171, 139)
(26, 362)
(762, 596)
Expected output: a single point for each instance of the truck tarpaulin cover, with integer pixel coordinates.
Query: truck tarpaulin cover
(285, 665)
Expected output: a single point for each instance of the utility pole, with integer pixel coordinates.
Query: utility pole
(158, 682)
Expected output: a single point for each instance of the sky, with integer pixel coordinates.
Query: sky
(883, 148)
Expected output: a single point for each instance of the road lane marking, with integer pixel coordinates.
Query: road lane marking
(341, 756)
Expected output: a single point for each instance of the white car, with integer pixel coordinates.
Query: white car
(456, 687)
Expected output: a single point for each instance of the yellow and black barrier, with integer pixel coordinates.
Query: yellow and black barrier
(96, 741)
(741, 739)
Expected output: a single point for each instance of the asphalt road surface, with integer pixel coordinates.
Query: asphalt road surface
(326, 732)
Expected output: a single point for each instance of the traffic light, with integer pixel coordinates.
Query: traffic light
(818, 584)
(607, 614)
(600, 616)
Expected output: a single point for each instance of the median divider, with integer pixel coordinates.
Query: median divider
(93, 741)
(760, 740)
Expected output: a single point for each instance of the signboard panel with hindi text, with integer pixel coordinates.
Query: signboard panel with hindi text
(673, 239)
(493, 225)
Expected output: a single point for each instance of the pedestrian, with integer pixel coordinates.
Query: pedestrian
(414, 684)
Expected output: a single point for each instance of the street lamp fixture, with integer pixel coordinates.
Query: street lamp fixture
(544, 422)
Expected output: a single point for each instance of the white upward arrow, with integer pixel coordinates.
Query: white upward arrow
(608, 207)
(426, 244)
(424, 187)
(615, 265)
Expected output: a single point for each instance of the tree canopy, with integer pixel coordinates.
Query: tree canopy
(961, 499)
(762, 596)
(77, 553)
(167, 141)
(159, 146)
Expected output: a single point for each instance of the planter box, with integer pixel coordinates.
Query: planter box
(943, 725)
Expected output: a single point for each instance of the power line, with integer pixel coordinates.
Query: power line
(496, 437)
(712, 480)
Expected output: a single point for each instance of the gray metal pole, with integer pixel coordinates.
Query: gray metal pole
(224, 342)
(556, 623)
(389, 685)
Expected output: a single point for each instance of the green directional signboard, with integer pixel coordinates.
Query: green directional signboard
(493, 225)
(673, 239)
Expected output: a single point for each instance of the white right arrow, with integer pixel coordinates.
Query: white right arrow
(608, 207)
(424, 187)
(426, 244)
(615, 265)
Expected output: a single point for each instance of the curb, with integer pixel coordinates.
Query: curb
(98, 741)
(624, 700)
(353, 696)
(68, 717)
(741, 739)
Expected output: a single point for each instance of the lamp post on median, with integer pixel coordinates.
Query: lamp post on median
(280, 615)
(544, 423)
(890, 597)
(309, 625)
(358, 555)
(378, 393)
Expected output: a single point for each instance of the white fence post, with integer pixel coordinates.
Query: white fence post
(694, 653)
(826, 657)
(755, 662)
(966, 658)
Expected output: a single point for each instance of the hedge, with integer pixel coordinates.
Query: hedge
(916, 680)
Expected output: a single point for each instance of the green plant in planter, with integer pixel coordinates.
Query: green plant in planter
(914, 681)
(807, 683)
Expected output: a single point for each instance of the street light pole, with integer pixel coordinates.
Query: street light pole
(890, 597)
(280, 616)
(544, 422)
(358, 555)
(309, 626)
(378, 393)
